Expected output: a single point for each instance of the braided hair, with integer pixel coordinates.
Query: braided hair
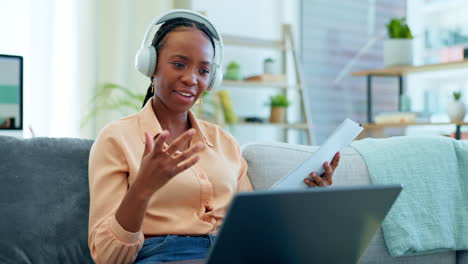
(159, 41)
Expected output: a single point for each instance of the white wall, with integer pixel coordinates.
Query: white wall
(121, 25)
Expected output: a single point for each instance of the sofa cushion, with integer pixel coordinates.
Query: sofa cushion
(44, 200)
(268, 162)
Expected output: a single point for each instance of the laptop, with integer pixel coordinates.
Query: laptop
(317, 225)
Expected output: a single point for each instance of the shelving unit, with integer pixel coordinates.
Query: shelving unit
(286, 46)
(399, 72)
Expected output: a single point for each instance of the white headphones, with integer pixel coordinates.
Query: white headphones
(146, 57)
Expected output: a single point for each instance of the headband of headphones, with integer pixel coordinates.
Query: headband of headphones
(146, 57)
(181, 13)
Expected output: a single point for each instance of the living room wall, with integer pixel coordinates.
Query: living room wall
(332, 33)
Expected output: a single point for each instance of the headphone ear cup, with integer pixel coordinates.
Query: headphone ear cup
(217, 79)
(145, 61)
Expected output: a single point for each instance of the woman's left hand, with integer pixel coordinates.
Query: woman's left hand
(326, 179)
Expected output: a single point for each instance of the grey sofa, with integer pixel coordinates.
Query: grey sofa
(44, 197)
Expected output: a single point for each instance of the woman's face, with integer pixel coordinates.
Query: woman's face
(183, 69)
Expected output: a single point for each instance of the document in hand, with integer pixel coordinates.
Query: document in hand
(341, 138)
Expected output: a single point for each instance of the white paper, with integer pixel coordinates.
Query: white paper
(341, 138)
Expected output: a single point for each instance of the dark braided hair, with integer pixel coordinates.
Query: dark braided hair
(172, 25)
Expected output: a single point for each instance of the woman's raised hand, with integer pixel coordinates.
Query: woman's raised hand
(161, 163)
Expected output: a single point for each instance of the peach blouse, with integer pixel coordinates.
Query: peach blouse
(194, 202)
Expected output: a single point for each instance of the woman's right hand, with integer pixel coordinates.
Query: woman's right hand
(160, 163)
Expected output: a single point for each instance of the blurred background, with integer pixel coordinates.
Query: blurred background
(300, 55)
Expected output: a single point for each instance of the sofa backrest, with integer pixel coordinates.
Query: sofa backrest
(269, 162)
(44, 200)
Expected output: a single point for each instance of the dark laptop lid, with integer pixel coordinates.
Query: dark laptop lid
(318, 225)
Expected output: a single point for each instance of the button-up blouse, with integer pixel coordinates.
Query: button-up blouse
(194, 202)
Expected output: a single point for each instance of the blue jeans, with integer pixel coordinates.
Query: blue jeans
(173, 248)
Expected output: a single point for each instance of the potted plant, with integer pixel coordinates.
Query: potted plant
(398, 49)
(278, 104)
(112, 97)
(233, 71)
(456, 108)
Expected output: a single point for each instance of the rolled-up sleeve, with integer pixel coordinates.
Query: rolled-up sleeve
(108, 241)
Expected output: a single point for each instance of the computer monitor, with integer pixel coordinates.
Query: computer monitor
(11, 92)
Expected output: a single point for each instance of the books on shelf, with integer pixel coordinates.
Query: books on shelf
(399, 118)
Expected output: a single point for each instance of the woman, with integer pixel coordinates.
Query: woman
(161, 180)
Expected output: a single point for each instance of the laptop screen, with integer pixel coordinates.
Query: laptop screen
(11, 92)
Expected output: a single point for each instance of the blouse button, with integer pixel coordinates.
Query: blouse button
(202, 177)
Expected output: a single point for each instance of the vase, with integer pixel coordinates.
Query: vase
(456, 111)
(278, 115)
(398, 52)
(268, 67)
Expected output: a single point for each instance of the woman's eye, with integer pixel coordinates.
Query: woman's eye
(205, 71)
(178, 65)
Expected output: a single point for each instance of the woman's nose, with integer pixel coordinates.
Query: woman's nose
(189, 78)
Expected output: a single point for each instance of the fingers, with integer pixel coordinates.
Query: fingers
(189, 152)
(328, 170)
(310, 182)
(187, 164)
(149, 144)
(315, 181)
(159, 142)
(180, 141)
(335, 161)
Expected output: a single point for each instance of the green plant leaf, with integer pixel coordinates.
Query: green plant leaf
(111, 96)
(279, 100)
(397, 28)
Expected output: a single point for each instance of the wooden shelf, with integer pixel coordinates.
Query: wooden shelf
(252, 84)
(378, 126)
(285, 47)
(402, 70)
(280, 125)
(252, 42)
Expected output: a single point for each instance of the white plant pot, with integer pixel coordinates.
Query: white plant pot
(456, 111)
(398, 52)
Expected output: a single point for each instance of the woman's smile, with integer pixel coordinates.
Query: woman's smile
(185, 96)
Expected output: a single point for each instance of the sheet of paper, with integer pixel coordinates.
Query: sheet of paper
(341, 138)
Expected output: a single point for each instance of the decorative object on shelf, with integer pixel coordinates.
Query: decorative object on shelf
(456, 108)
(405, 103)
(227, 106)
(278, 104)
(398, 49)
(253, 119)
(395, 118)
(267, 78)
(208, 108)
(233, 71)
(268, 66)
